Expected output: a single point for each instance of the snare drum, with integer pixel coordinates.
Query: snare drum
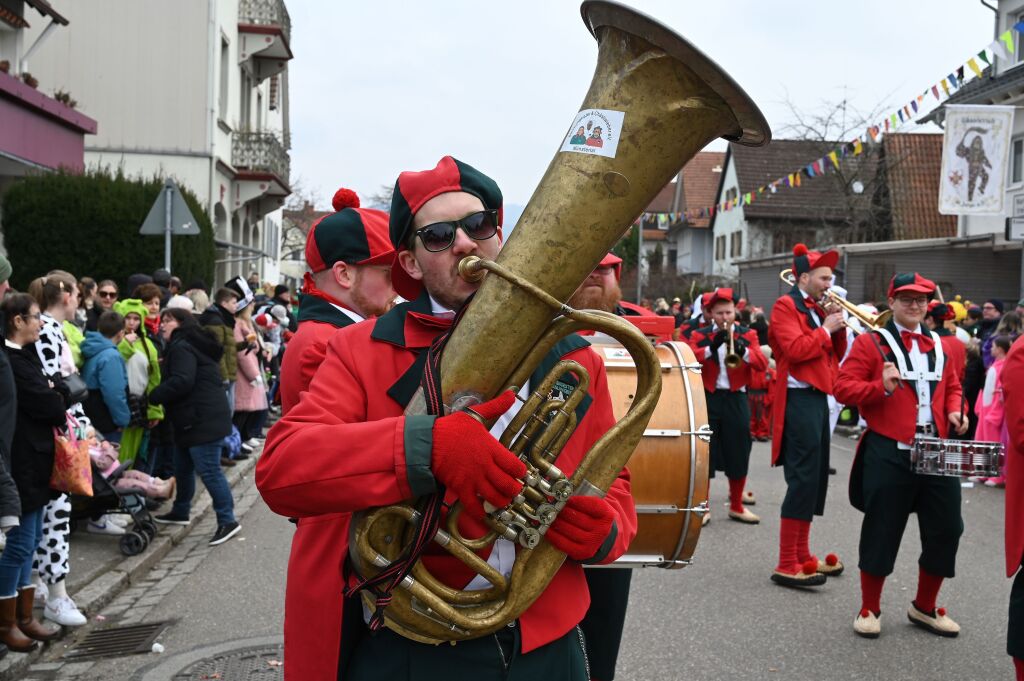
(959, 458)
(669, 469)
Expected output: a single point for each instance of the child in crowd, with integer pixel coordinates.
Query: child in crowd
(990, 409)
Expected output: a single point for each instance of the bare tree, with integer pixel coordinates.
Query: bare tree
(382, 199)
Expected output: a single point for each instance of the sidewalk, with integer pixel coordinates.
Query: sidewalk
(99, 572)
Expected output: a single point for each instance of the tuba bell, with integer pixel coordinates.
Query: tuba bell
(674, 101)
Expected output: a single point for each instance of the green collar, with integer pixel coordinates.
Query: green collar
(390, 328)
(313, 309)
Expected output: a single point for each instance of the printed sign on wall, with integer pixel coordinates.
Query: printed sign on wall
(975, 151)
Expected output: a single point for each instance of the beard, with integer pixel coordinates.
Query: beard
(367, 305)
(604, 298)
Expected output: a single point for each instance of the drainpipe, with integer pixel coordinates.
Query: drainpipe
(213, 73)
(995, 30)
(23, 63)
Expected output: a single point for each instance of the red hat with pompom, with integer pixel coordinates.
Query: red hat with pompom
(720, 295)
(353, 235)
(940, 312)
(613, 261)
(805, 260)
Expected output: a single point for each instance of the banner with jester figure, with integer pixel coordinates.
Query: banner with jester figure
(975, 152)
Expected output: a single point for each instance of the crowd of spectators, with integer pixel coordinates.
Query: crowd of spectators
(164, 382)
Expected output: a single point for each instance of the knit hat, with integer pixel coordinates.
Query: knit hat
(614, 261)
(912, 282)
(180, 302)
(279, 313)
(129, 306)
(805, 260)
(940, 312)
(997, 304)
(415, 188)
(720, 295)
(5, 269)
(353, 235)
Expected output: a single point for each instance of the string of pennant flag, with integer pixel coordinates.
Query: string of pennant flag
(1003, 47)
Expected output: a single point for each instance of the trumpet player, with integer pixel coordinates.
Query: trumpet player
(807, 342)
(348, 446)
(903, 386)
(349, 255)
(730, 355)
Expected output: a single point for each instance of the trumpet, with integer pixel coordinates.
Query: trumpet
(732, 359)
(830, 300)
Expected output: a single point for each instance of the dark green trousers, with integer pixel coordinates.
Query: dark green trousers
(386, 656)
(806, 440)
(1015, 630)
(602, 626)
(892, 491)
(729, 418)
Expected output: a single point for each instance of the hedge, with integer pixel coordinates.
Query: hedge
(88, 224)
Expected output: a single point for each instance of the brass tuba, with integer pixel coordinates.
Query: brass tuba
(675, 100)
(833, 300)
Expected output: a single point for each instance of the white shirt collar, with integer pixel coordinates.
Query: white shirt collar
(354, 316)
(901, 329)
(439, 310)
(11, 344)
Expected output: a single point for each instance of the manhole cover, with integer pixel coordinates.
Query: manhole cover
(114, 641)
(263, 662)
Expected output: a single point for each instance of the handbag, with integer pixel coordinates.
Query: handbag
(72, 468)
(78, 390)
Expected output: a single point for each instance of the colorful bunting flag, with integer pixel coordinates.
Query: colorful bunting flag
(835, 161)
(857, 147)
(1007, 38)
(984, 57)
(935, 91)
(945, 88)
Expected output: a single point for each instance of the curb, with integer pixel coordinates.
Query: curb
(92, 597)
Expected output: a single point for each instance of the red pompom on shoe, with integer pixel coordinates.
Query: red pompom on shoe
(581, 527)
(470, 462)
(810, 567)
(864, 612)
(831, 560)
(344, 198)
(941, 612)
(800, 249)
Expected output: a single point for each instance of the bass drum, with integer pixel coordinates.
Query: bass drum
(669, 469)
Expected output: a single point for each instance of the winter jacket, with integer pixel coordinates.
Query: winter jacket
(10, 504)
(103, 370)
(41, 407)
(248, 397)
(192, 390)
(145, 347)
(221, 323)
(74, 336)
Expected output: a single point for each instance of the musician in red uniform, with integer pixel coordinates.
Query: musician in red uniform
(697, 321)
(725, 390)
(349, 255)
(348, 446)
(953, 347)
(903, 387)
(1013, 397)
(807, 343)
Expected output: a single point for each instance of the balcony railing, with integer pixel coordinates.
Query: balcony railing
(260, 152)
(266, 13)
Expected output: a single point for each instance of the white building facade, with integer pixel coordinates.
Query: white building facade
(196, 91)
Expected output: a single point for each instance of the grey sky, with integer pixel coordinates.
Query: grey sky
(378, 87)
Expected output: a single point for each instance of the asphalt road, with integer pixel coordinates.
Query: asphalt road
(719, 619)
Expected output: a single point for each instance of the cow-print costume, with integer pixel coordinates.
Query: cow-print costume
(51, 559)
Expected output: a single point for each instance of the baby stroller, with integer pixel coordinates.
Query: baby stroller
(107, 498)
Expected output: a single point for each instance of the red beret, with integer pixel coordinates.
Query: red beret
(912, 282)
(805, 260)
(719, 295)
(612, 260)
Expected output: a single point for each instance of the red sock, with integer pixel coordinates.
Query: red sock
(803, 551)
(736, 494)
(928, 586)
(1018, 664)
(871, 592)
(789, 531)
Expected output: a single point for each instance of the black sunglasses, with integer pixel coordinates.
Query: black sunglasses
(441, 235)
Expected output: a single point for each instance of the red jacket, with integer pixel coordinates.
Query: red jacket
(741, 376)
(318, 321)
(343, 449)
(956, 351)
(1013, 398)
(808, 353)
(895, 416)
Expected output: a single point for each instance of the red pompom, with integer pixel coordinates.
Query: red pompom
(799, 250)
(832, 560)
(810, 567)
(941, 612)
(864, 612)
(344, 198)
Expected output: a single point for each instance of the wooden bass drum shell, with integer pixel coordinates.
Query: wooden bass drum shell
(669, 468)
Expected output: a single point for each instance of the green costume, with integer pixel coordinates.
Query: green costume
(135, 439)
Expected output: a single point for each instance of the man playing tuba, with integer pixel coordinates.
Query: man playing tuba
(348, 446)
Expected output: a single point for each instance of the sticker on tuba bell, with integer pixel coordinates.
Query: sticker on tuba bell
(595, 131)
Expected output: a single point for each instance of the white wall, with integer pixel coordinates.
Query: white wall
(726, 223)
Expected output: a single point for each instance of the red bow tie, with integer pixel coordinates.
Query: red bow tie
(925, 343)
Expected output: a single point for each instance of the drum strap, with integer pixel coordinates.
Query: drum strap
(902, 359)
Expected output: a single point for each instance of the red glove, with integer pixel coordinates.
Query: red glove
(581, 527)
(471, 463)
